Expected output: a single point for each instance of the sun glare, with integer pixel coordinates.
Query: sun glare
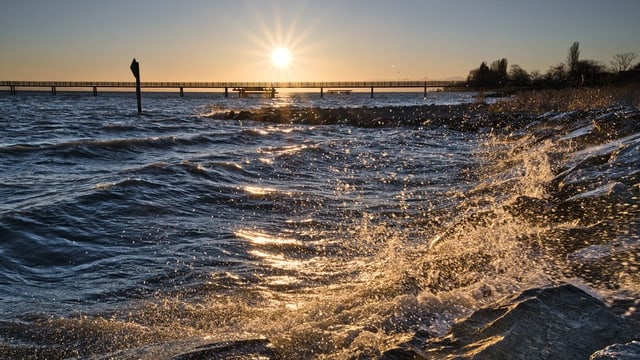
(280, 45)
(281, 57)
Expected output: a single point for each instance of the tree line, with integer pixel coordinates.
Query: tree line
(573, 72)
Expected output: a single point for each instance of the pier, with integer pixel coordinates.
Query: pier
(242, 88)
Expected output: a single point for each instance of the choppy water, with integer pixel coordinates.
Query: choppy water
(144, 236)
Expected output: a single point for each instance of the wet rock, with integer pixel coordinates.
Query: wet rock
(556, 322)
(193, 349)
(531, 208)
(629, 351)
(242, 115)
(456, 117)
(237, 350)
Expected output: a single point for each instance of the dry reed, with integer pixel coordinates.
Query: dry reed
(540, 101)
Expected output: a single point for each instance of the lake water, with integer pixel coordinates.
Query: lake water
(145, 236)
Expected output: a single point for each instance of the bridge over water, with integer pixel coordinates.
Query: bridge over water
(269, 88)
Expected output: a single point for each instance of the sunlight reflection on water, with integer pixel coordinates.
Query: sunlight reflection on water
(262, 238)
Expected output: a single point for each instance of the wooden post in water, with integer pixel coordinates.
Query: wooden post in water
(321, 92)
(135, 69)
(372, 92)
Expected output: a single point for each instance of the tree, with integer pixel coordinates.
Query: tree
(556, 76)
(496, 75)
(574, 56)
(622, 62)
(589, 72)
(518, 76)
(499, 71)
(536, 77)
(573, 62)
(480, 76)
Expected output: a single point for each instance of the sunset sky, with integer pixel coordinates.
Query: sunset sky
(328, 40)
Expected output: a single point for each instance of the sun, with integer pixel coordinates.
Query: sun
(279, 48)
(281, 57)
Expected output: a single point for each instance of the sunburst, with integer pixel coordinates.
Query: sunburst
(280, 47)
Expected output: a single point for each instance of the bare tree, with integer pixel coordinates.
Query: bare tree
(557, 75)
(622, 62)
(519, 76)
(573, 57)
(536, 77)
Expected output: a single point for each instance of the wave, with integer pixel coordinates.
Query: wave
(103, 148)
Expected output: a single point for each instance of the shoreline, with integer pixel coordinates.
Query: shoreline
(504, 114)
(359, 116)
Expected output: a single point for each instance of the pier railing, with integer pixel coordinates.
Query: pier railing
(221, 85)
(241, 87)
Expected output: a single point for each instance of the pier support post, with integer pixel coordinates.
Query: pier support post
(12, 90)
(181, 92)
(425, 91)
(135, 69)
(95, 91)
(372, 92)
(53, 90)
(321, 92)
(226, 92)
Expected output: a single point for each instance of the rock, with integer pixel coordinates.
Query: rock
(242, 115)
(555, 322)
(629, 351)
(238, 350)
(463, 117)
(195, 349)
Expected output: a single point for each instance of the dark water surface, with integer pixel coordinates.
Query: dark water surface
(141, 236)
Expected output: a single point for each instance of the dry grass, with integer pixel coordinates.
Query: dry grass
(540, 101)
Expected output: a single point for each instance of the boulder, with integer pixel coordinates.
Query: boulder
(554, 322)
(629, 351)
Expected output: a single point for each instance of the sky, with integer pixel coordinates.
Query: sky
(328, 40)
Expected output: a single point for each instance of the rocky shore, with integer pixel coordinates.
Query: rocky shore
(555, 322)
(457, 117)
